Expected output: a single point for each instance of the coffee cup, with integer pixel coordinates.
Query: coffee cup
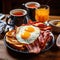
(31, 7)
(17, 17)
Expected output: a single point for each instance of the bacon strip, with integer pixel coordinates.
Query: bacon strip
(33, 48)
(40, 43)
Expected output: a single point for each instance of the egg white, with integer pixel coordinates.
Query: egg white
(33, 35)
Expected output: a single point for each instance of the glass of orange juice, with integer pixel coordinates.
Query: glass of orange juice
(42, 13)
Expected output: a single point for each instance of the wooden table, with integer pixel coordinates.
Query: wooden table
(52, 54)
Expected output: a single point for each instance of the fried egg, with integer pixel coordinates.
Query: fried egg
(27, 34)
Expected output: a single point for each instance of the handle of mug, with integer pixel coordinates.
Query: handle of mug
(23, 5)
(27, 19)
(7, 19)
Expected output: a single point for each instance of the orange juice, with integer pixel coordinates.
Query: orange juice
(42, 14)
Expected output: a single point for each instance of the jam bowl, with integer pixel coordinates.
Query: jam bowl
(55, 24)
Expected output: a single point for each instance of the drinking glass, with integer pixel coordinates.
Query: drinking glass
(42, 13)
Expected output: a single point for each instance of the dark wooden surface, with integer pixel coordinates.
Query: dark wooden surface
(8, 5)
(52, 54)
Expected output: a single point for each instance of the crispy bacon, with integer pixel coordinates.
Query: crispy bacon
(40, 43)
(34, 47)
(41, 25)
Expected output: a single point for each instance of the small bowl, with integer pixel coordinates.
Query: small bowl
(55, 28)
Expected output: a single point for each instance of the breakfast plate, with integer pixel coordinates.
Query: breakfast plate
(48, 46)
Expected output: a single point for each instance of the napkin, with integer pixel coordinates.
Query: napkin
(2, 25)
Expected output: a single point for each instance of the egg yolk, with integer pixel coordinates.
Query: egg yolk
(30, 29)
(25, 35)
